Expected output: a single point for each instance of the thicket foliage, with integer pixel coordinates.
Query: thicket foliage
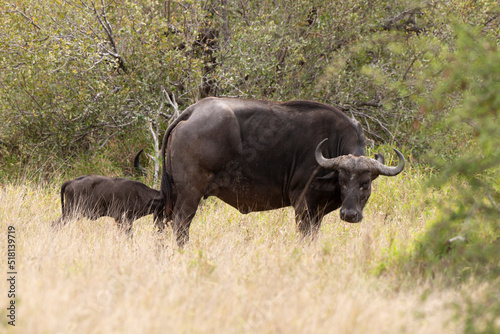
(467, 155)
(79, 76)
(83, 78)
(462, 111)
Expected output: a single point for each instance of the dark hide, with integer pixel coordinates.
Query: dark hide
(141, 171)
(257, 155)
(95, 196)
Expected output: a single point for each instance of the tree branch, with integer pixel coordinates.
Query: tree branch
(30, 20)
(355, 112)
(495, 205)
(172, 102)
(409, 66)
(404, 21)
(103, 20)
(156, 157)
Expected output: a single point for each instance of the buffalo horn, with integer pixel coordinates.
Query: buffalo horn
(377, 165)
(324, 162)
(391, 171)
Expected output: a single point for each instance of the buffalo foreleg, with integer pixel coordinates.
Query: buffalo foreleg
(308, 222)
(124, 225)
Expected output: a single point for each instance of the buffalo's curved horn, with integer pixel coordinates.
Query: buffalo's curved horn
(322, 161)
(384, 170)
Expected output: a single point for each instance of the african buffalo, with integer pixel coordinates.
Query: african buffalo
(258, 155)
(95, 196)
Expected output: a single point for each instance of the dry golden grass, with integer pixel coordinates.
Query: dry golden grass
(239, 274)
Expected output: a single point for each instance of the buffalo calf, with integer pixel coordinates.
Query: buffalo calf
(95, 196)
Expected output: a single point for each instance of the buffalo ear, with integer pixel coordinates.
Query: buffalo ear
(329, 182)
(380, 158)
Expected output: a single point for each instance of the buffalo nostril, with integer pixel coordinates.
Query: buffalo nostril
(349, 215)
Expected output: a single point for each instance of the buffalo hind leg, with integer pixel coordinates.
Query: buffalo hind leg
(57, 224)
(63, 220)
(184, 211)
(159, 222)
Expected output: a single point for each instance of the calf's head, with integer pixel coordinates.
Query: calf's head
(355, 175)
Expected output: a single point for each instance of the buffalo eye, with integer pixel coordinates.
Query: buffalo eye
(365, 185)
(342, 183)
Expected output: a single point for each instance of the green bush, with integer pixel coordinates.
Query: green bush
(472, 76)
(462, 242)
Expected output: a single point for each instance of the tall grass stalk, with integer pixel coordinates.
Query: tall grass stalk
(239, 273)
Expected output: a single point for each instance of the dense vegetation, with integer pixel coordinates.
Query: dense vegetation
(84, 79)
(84, 85)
